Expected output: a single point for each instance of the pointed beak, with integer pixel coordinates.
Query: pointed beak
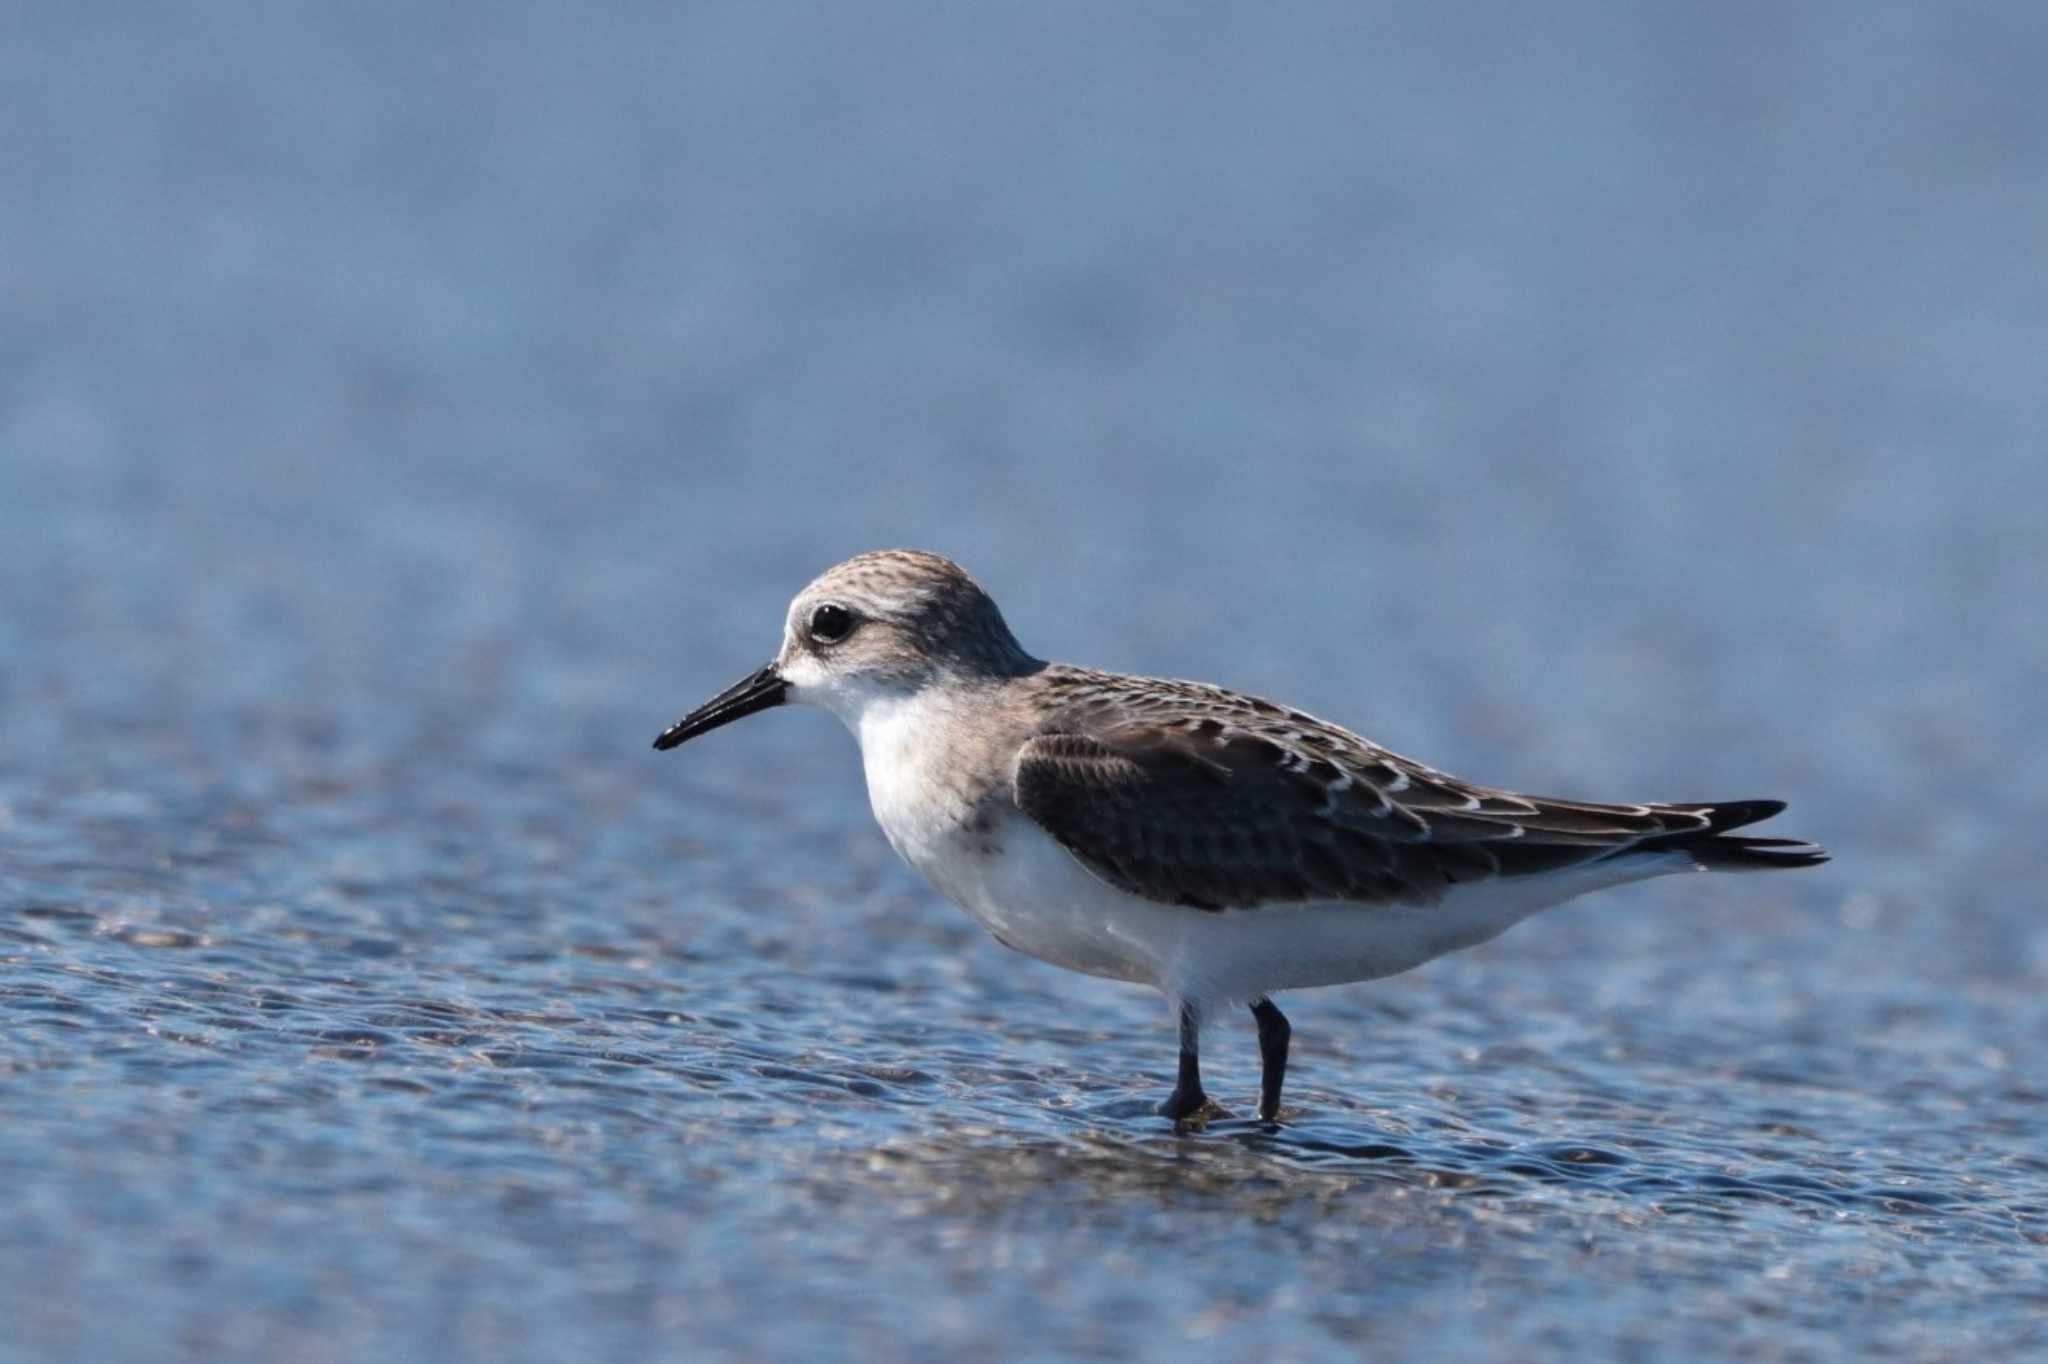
(757, 691)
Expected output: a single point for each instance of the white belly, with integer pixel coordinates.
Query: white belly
(1035, 897)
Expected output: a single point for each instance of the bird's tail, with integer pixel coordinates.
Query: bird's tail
(1714, 849)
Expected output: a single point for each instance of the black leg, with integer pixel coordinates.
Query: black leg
(1187, 1098)
(1273, 1034)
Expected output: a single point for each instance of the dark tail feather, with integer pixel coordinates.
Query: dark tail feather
(1713, 849)
(1754, 854)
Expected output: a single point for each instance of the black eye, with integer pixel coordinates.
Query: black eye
(831, 623)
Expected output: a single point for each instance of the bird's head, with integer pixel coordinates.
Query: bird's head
(880, 626)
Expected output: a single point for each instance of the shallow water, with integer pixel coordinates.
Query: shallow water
(402, 420)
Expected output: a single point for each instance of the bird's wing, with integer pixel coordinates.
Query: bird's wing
(1203, 812)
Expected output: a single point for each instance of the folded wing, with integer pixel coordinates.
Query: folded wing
(1215, 816)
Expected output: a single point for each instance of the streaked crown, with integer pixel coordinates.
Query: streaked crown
(901, 617)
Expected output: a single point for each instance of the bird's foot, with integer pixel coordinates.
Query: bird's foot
(1189, 1109)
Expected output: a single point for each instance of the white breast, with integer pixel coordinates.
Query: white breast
(934, 806)
(914, 784)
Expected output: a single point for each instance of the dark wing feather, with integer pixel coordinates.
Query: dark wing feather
(1218, 815)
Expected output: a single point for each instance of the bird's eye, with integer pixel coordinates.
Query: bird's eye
(831, 623)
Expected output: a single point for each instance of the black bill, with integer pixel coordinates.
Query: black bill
(757, 691)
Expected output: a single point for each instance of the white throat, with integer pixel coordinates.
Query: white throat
(919, 782)
(902, 749)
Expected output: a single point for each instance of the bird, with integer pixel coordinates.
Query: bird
(1214, 845)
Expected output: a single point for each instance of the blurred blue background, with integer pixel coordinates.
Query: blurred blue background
(406, 410)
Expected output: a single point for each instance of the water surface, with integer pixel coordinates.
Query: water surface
(403, 416)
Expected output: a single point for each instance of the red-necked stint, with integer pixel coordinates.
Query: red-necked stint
(1216, 846)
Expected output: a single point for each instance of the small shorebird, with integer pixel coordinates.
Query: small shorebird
(1214, 845)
